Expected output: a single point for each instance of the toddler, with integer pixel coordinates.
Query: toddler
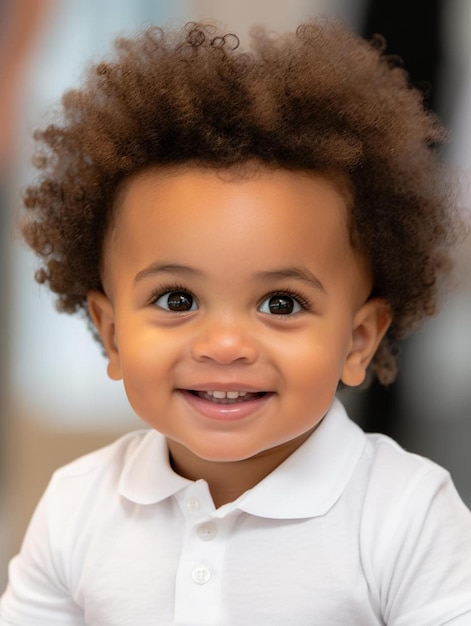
(246, 232)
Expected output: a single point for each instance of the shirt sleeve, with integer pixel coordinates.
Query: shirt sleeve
(423, 564)
(36, 594)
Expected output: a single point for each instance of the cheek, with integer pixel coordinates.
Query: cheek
(142, 343)
(146, 360)
(147, 384)
(315, 357)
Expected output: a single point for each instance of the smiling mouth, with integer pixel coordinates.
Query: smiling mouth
(228, 397)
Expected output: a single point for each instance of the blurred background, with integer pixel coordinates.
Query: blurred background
(55, 399)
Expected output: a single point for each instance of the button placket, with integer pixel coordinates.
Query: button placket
(198, 590)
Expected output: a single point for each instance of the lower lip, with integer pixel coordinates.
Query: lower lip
(225, 412)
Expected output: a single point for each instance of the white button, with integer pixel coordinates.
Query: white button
(207, 531)
(193, 504)
(201, 575)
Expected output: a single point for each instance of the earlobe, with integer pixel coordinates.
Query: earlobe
(369, 327)
(102, 314)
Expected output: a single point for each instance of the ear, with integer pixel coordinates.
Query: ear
(102, 314)
(370, 324)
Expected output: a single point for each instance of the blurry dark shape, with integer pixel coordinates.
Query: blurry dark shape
(413, 32)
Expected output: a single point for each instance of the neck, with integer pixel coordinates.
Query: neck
(227, 480)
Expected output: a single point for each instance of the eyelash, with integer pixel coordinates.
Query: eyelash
(303, 301)
(164, 289)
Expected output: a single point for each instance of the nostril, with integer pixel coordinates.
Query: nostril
(224, 347)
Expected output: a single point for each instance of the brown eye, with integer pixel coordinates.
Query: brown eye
(280, 304)
(177, 301)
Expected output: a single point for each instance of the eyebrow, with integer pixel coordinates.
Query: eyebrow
(157, 268)
(296, 273)
(291, 273)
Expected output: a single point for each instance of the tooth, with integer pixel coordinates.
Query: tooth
(210, 393)
(219, 394)
(233, 395)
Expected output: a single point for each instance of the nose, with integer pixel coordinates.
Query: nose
(225, 343)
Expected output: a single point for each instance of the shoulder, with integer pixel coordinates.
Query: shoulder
(401, 486)
(415, 536)
(394, 467)
(94, 475)
(114, 454)
(411, 506)
(375, 467)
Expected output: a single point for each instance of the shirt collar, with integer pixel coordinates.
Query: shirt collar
(306, 485)
(314, 477)
(147, 476)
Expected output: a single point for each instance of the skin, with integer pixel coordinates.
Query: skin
(228, 249)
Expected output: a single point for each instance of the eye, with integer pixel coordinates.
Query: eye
(280, 304)
(178, 301)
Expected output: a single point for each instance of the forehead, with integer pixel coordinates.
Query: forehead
(168, 190)
(218, 218)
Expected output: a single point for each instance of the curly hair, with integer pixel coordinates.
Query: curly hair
(321, 99)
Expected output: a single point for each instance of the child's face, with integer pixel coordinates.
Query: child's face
(250, 287)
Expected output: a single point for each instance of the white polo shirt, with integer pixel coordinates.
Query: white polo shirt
(349, 530)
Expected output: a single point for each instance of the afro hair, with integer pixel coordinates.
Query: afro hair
(321, 99)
